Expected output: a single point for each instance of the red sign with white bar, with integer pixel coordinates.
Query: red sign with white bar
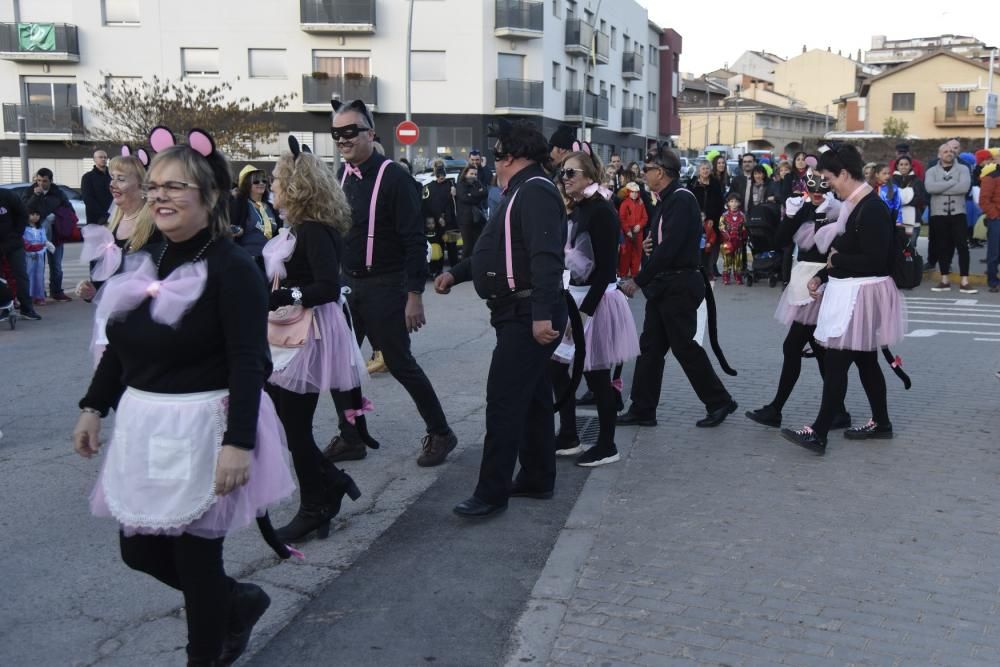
(407, 132)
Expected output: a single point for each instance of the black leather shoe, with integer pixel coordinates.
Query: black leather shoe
(843, 420)
(717, 416)
(631, 419)
(340, 449)
(587, 399)
(870, 431)
(805, 437)
(474, 508)
(525, 491)
(767, 415)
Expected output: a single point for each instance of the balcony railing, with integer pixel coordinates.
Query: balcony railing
(580, 35)
(519, 19)
(337, 16)
(43, 119)
(519, 95)
(631, 66)
(317, 91)
(586, 105)
(955, 118)
(631, 120)
(39, 42)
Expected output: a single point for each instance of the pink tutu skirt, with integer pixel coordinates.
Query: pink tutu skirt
(863, 318)
(795, 304)
(331, 361)
(787, 313)
(159, 468)
(610, 334)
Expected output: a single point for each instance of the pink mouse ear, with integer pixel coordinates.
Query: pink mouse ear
(160, 138)
(811, 161)
(126, 151)
(201, 142)
(143, 157)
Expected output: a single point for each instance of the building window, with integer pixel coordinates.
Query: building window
(428, 66)
(570, 78)
(121, 12)
(614, 94)
(603, 88)
(652, 55)
(903, 101)
(626, 43)
(642, 53)
(200, 62)
(625, 98)
(51, 95)
(652, 101)
(556, 76)
(956, 101)
(510, 66)
(762, 121)
(614, 37)
(266, 64)
(338, 63)
(555, 7)
(604, 26)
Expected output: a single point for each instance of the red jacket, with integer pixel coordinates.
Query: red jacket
(632, 213)
(989, 195)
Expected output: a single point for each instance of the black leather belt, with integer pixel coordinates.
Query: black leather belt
(508, 299)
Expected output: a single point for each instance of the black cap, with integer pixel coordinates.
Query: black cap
(563, 137)
(903, 147)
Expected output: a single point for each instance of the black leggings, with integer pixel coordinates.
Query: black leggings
(315, 473)
(192, 565)
(799, 335)
(604, 395)
(838, 362)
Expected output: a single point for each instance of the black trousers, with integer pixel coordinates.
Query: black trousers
(799, 335)
(951, 233)
(519, 423)
(378, 309)
(604, 396)
(19, 268)
(670, 324)
(470, 234)
(838, 362)
(314, 472)
(192, 565)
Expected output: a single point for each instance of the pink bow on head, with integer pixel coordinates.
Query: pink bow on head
(276, 252)
(171, 297)
(99, 247)
(351, 414)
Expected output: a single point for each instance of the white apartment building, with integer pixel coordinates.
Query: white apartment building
(471, 61)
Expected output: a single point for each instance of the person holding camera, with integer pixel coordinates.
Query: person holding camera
(471, 195)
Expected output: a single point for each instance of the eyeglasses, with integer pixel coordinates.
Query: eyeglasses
(347, 131)
(567, 174)
(649, 168)
(258, 180)
(170, 189)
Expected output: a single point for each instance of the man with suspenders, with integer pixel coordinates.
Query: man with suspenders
(517, 267)
(385, 266)
(674, 287)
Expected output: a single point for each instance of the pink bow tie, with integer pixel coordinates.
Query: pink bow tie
(171, 297)
(351, 169)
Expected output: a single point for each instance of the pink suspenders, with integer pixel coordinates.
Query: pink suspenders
(506, 231)
(370, 244)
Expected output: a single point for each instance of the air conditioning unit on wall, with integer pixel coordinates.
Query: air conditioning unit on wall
(979, 110)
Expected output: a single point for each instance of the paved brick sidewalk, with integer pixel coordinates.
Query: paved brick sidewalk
(730, 546)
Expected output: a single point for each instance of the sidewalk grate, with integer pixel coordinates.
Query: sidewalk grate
(587, 430)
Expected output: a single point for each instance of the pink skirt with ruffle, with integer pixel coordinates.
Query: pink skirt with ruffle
(786, 313)
(270, 478)
(877, 319)
(610, 335)
(332, 361)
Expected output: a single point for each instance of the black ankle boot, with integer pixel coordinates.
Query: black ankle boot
(249, 602)
(309, 518)
(340, 484)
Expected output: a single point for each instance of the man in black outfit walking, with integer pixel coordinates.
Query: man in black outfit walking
(386, 269)
(524, 292)
(674, 288)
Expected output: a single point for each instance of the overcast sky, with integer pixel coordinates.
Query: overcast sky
(716, 33)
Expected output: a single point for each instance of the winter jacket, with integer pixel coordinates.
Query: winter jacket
(948, 188)
(469, 202)
(13, 221)
(632, 213)
(989, 195)
(890, 195)
(913, 197)
(709, 198)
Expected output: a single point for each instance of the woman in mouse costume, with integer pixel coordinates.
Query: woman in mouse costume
(197, 450)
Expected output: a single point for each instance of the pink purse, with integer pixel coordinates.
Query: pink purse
(288, 326)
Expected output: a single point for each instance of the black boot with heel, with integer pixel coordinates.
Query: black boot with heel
(316, 515)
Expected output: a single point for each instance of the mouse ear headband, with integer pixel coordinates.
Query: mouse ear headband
(295, 148)
(141, 155)
(584, 147)
(200, 141)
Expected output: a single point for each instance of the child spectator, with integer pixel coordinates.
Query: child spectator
(888, 191)
(733, 229)
(35, 245)
(633, 217)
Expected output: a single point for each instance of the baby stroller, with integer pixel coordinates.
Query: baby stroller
(7, 312)
(762, 224)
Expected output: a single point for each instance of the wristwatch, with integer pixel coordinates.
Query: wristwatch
(296, 296)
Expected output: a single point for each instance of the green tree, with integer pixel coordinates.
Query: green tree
(126, 110)
(895, 128)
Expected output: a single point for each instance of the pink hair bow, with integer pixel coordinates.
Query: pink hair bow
(593, 188)
(99, 247)
(171, 297)
(350, 414)
(276, 252)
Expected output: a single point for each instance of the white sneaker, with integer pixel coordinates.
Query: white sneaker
(968, 289)
(941, 287)
(572, 451)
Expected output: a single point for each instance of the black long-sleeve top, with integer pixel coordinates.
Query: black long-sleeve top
(13, 220)
(438, 203)
(598, 218)
(709, 198)
(538, 237)
(785, 235)
(682, 230)
(470, 198)
(399, 244)
(95, 188)
(314, 266)
(865, 247)
(221, 343)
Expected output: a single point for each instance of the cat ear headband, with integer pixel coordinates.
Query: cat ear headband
(161, 138)
(140, 154)
(356, 105)
(293, 146)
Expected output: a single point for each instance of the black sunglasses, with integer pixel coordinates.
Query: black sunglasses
(257, 180)
(347, 131)
(569, 173)
(649, 168)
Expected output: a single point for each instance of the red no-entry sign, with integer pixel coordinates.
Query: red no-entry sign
(407, 132)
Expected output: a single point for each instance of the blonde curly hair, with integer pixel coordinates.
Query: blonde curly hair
(311, 192)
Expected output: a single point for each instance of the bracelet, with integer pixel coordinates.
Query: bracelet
(91, 411)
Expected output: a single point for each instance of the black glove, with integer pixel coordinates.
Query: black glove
(280, 297)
